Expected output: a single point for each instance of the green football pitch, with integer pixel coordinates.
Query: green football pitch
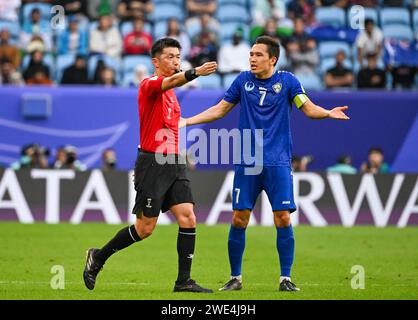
(323, 266)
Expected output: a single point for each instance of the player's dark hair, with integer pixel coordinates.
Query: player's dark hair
(273, 46)
(159, 45)
(376, 149)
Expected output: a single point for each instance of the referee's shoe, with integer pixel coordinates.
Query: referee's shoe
(91, 269)
(190, 286)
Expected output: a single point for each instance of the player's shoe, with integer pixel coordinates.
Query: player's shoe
(286, 285)
(190, 286)
(233, 284)
(91, 269)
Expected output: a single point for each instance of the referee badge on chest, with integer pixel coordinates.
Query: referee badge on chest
(277, 87)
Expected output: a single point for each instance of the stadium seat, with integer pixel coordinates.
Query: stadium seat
(210, 82)
(130, 62)
(128, 78)
(63, 62)
(329, 49)
(331, 16)
(369, 13)
(228, 29)
(45, 9)
(389, 16)
(282, 59)
(241, 3)
(398, 31)
(160, 29)
(228, 79)
(232, 13)
(310, 82)
(165, 11)
(177, 2)
(415, 20)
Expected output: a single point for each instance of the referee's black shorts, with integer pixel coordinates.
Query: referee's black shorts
(160, 186)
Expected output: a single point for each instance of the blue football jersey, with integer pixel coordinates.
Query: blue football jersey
(265, 106)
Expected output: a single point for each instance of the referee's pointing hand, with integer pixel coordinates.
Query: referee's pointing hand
(206, 68)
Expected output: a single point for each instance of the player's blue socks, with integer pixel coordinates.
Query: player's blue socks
(236, 246)
(286, 248)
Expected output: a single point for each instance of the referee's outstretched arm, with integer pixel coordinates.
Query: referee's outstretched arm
(181, 78)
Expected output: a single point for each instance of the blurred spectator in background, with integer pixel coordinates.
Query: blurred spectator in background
(9, 10)
(401, 60)
(174, 31)
(32, 156)
(106, 39)
(107, 77)
(60, 158)
(75, 9)
(343, 165)
(393, 3)
(37, 72)
(303, 57)
(36, 32)
(300, 164)
(72, 161)
(403, 76)
(109, 160)
(375, 162)
(98, 8)
(204, 50)
(76, 73)
(371, 76)
(302, 9)
(199, 7)
(264, 9)
(8, 73)
(73, 40)
(369, 41)
(279, 29)
(234, 57)
(335, 3)
(339, 76)
(270, 29)
(132, 9)
(7, 50)
(141, 73)
(201, 23)
(299, 34)
(365, 3)
(138, 41)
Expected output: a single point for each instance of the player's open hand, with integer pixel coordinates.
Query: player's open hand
(338, 113)
(206, 68)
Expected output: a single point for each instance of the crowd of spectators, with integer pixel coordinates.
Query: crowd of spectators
(37, 156)
(99, 35)
(375, 163)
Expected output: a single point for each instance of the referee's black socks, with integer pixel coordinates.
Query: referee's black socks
(124, 238)
(185, 248)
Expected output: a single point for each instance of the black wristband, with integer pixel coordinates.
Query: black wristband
(190, 74)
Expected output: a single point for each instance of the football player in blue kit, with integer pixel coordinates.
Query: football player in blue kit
(265, 98)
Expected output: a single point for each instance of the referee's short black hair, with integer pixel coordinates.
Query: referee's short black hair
(159, 45)
(273, 46)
